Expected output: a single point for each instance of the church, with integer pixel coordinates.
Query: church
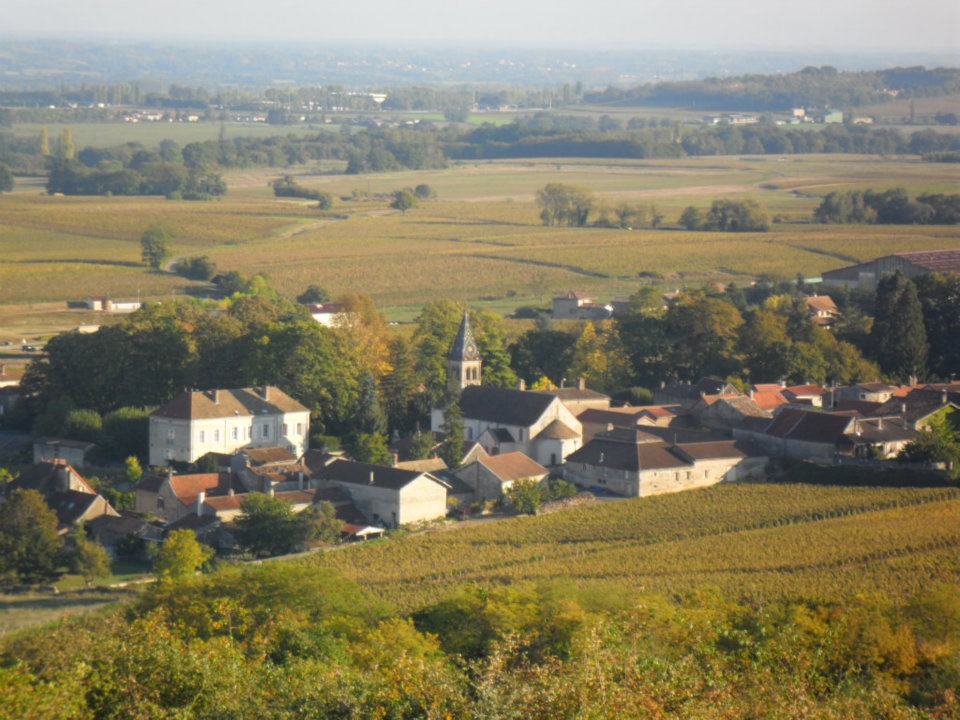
(503, 420)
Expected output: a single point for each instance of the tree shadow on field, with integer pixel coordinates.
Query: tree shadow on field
(81, 261)
(461, 223)
(852, 476)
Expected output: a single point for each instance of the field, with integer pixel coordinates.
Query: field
(748, 541)
(480, 240)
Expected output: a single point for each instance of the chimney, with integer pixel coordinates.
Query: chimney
(609, 427)
(856, 426)
(371, 480)
(783, 383)
(903, 409)
(216, 397)
(269, 488)
(912, 381)
(751, 393)
(581, 383)
(265, 392)
(663, 384)
(201, 497)
(63, 478)
(522, 385)
(943, 397)
(880, 423)
(230, 492)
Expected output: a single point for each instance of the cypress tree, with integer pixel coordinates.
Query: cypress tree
(898, 337)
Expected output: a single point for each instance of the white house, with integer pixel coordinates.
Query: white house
(224, 421)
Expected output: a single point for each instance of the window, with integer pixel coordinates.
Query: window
(171, 435)
(249, 432)
(233, 434)
(265, 431)
(216, 436)
(284, 429)
(299, 428)
(203, 437)
(159, 503)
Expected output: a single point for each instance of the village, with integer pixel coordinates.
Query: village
(212, 450)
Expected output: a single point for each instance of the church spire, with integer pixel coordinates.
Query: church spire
(464, 346)
(463, 361)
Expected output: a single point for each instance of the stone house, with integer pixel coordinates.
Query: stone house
(196, 423)
(73, 452)
(579, 397)
(596, 421)
(66, 492)
(171, 497)
(490, 476)
(388, 496)
(634, 464)
(822, 310)
(579, 306)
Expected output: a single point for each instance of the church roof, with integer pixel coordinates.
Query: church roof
(464, 346)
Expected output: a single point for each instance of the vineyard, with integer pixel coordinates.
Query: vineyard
(481, 240)
(752, 541)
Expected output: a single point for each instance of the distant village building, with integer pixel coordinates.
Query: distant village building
(823, 311)
(102, 303)
(224, 421)
(579, 397)
(579, 306)
(912, 264)
(66, 492)
(325, 313)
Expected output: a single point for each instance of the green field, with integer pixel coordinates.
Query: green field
(759, 542)
(480, 241)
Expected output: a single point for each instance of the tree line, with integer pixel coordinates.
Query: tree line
(810, 87)
(889, 207)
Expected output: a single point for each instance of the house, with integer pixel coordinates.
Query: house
(355, 525)
(171, 497)
(768, 396)
(822, 436)
(912, 264)
(687, 395)
(503, 419)
(579, 397)
(809, 394)
(325, 313)
(388, 496)
(115, 531)
(866, 391)
(73, 452)
(920, 405)
(579, 306)
(66, 492)
(725, 412)
(636, 464)
(822, 310)
(491, 476)
(224, 421)
(266, 469)
(596, 421)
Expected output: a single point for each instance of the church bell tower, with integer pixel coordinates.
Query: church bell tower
(463, 362)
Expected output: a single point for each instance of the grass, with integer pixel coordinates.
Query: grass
(29, 609)
(754, 541)
(480, 241)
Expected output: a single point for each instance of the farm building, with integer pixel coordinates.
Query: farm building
(912, 264)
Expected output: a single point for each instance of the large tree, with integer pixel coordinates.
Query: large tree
(155, 246)
(564, 204)
(268, 526)
(6, 179)
(898, 337)
(940, 299)
(181, 555)
(30, 548)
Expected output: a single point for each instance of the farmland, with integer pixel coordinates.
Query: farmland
(759, 542)
(480, 240)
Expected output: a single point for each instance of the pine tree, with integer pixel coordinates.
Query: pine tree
(898, 337)
(66, 148)
(44, 142)
(370, 416)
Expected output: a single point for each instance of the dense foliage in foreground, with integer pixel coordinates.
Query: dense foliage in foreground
(286, 642)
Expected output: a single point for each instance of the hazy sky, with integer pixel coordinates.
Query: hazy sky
(787, 24)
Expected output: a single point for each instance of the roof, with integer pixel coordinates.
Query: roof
(558, 431)
(768, 400)
(916, 405)
(186, 488)
(577, 393)
(221, 503)
(42, 477)
(614, 453)
(810, 389)
(192, 521)
(501, 435)
(716, 450)
(504, 406)
(821, 302)
(876, 387)
(381, 476)
(464, 345)
(858, 407)
(70, 505)
(65, 442)
(513, 466)
(428, 465)
(575, 295)
(741, 403)
(316, 460)
(884, 430)
(805, 426)
(269, 455)
(119, 525)
(239, 402)
(944, 261)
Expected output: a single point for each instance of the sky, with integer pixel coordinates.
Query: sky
(905, 25)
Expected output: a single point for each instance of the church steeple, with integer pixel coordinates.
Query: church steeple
(463, 361)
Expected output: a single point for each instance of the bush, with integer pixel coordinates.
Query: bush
(424, 191)
(525, 496)
(736, 216)
(196, 268)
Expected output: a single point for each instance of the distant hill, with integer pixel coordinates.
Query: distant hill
(810, 87)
